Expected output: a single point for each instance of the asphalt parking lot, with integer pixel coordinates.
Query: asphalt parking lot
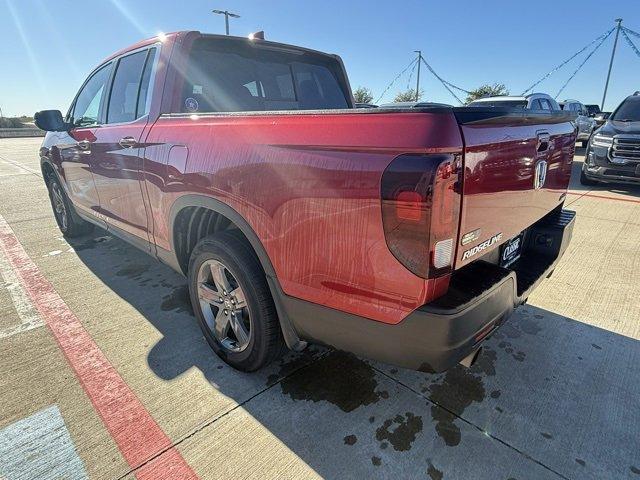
(104, 372)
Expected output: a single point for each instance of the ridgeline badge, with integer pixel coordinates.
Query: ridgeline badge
(483, 246)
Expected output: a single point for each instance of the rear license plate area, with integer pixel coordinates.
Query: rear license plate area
(511, 250)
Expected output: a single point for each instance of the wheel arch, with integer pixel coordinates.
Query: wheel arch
(188, 201)
(221, 208)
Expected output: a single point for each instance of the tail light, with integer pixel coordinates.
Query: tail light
(420, 211)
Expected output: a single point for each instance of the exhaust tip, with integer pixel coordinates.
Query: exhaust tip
(471, 359)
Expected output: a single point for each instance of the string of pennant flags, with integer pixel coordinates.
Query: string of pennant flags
(450, 87)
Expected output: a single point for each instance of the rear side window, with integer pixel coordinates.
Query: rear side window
(130, 87)
(86, 110)
(230, 76)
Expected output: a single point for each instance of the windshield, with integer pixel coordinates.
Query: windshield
(232, 76)
(628, 111)
(593, 109)
(500, 103)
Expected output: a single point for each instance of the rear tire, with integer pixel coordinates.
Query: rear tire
(584, 180)
(69, 222)
(232, 302)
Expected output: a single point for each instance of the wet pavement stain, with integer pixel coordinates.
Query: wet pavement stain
(403, 435)
(496, 394)
(292, 362)
(445, 428)
(350, 440)
(458, 389)
(133, 270)
(340, 378)
(517, 326)
(178, 300)
(377, 461)
(433, 472)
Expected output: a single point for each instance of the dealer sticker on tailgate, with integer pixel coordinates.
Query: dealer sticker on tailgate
(510, 251)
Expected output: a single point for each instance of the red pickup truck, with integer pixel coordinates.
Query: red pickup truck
(403, 235)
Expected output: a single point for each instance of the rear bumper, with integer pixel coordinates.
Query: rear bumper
(438, 335)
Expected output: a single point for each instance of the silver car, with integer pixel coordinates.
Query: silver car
(586, 124)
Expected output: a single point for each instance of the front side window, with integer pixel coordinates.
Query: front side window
(129, 91)
(234, 77)
(544, 103)
(86, 110)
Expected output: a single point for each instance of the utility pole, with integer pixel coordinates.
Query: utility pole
(419, 52)
(613, 53)
(226, 14)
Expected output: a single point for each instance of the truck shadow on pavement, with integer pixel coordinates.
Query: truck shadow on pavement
(550, 397)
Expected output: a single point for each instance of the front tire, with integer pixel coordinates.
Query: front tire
(69, 222)
(232, 302)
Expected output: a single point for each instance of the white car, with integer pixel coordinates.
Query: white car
(533, 101)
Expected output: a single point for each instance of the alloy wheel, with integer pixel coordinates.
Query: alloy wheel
(224, 306)
(59, 206)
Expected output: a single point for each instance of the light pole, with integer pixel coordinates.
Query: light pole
(419, 52)
(226, 14)
(613, 53)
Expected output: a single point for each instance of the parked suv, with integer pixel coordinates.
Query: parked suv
(406, 235)
(585, 123)
(533, 101)
(613, 154)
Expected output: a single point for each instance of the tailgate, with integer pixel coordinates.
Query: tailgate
(516, 170)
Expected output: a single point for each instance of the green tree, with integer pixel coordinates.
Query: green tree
(408, 96)
(487, 90)
(362, 95)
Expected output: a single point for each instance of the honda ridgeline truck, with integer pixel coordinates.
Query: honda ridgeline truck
(403, 235)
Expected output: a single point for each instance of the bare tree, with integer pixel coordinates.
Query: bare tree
(362, 95)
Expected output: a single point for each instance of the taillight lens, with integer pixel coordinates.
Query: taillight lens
(420, 211)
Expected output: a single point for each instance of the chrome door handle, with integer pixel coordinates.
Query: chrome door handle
(128, 142)
(84, 144)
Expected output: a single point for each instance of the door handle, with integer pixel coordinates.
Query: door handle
(128, 142)
(83, 144)
(543, 142)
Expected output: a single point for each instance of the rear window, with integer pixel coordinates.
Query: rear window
(232, 76)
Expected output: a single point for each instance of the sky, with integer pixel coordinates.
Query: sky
(49, 46)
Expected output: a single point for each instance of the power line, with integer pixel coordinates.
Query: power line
(581, 65)
(601, 38)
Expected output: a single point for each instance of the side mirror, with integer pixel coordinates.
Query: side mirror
(50, 121)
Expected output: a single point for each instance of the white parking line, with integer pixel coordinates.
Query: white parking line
(29, 317)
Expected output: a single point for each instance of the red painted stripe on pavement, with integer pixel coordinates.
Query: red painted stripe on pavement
(133, 429)
(606, 197)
